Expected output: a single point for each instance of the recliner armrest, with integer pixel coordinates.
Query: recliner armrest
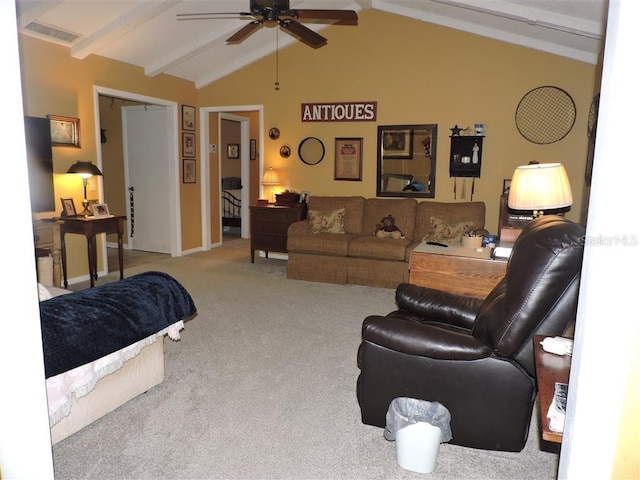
(406, 333)
(438, 306)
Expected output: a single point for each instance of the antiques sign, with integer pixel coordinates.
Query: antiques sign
(340, 112)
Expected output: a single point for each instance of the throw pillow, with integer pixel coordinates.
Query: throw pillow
(326, 222)
(442, 232)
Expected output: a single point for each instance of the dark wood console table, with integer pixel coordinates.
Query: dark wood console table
(90, 227)
(550, 368)
(269, 226)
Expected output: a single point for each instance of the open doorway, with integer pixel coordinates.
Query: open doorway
(231, 178)
(250, 119)
(118, 158)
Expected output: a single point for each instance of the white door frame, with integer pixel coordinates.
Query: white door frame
(173, 215)
(205, 168)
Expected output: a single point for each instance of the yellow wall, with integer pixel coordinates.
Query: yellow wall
(441, 76)
(55, 83)
(418, 73)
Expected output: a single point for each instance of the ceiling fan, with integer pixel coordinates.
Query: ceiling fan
(271, 13)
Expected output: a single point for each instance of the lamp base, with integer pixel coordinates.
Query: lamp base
(86, 212)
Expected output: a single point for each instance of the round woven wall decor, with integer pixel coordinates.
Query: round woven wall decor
(545, 115)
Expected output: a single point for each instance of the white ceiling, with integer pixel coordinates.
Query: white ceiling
(147, 33)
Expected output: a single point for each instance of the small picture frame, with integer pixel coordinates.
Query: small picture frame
(397, 144)
(233, 151)
(68, 207)
(65, 131)
(189, 118)
(304, 196)
(348, 163)
(252, 149)
(100, 210)
(188, 170)
(506, 186)
(189, 145)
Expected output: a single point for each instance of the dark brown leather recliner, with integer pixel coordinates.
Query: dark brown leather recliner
(476, 356)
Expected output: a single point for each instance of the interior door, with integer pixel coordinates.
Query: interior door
(146, 156)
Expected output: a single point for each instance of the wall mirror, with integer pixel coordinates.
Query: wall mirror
(407, 160)
(311, 150)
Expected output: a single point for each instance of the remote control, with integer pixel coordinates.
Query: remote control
(438, 244)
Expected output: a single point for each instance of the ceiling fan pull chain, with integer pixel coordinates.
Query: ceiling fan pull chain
(277, 84)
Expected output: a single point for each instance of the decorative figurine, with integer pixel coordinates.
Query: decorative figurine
(474, 156)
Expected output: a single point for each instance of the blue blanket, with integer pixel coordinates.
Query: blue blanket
(83, 326)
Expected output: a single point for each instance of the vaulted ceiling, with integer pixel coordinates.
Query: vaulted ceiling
(147, 33)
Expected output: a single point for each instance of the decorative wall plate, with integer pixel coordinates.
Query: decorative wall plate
(274, 133)
(545, 115)
(285, 151)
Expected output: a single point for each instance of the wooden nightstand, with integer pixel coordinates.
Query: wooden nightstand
(269, 227)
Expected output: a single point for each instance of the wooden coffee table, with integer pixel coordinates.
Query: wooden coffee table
(456, 269)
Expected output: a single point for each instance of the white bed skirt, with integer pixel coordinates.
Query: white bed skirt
(136, 376)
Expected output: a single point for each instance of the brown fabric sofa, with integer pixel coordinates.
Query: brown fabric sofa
(358, 256)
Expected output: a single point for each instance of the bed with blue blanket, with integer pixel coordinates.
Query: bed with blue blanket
(103, 346)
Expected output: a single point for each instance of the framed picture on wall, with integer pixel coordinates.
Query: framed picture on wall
(252, 149)
(188, 144)
(397, 143)
(188, 170)
(189, 118)
(65, 131)
(348, 165)
(233, 151)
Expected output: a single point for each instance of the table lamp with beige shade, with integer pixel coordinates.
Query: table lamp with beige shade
(271, 179)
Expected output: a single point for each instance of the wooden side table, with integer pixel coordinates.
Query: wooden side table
(449, 270)
(550, 368)
(269, 226)
(90, 227)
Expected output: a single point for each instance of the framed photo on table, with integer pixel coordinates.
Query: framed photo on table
(348, 163)
(100, 210)
(68, 207)
(189, 118)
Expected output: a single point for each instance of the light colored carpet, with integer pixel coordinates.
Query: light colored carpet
(262, 386)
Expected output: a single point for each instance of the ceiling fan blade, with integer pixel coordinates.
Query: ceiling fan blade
(244, 32)
(338, 17)
(212, 15)
(302, 33)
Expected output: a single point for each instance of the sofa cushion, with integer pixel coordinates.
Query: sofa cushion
(443, 232)
(370, 246)
(326, 222)
(320, 243)
(403, 210)
(353, 206)
(452, 213)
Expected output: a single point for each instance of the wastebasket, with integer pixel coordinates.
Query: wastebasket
(418, 427)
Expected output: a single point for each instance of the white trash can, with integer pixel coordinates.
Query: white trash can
(417, 447)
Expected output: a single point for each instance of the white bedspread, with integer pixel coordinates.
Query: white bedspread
(81, 380)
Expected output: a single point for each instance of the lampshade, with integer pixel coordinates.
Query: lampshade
(270, 177)
(540, 186)
(84, 169)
